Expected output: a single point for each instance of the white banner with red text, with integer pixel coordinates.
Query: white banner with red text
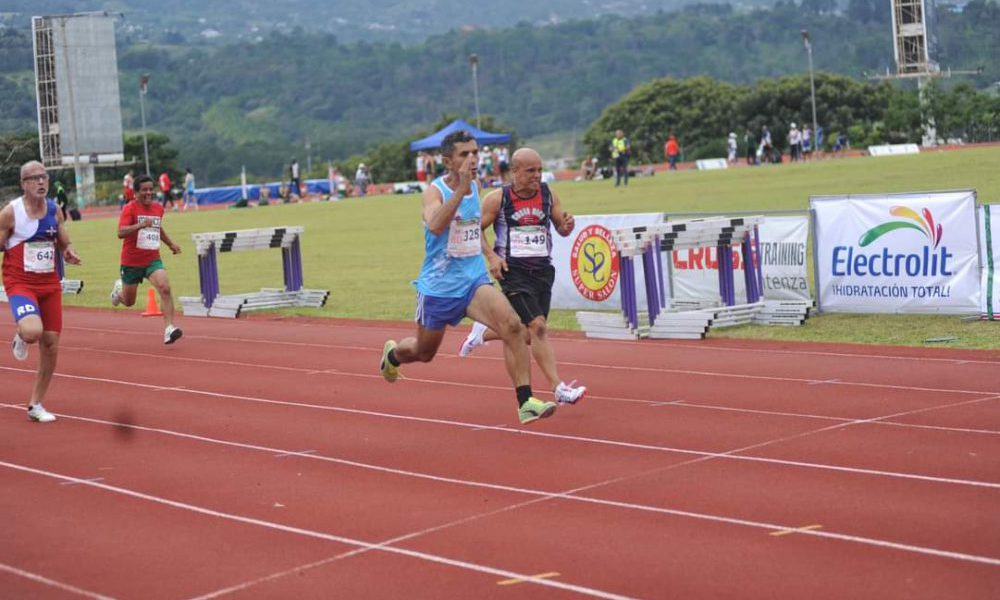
(782, 246)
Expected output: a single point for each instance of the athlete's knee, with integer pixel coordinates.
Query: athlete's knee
(30, 334)
(511, 328)
(538, 328)
(165, 289)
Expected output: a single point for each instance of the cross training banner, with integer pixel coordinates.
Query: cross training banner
(897, 253)
(781, 250)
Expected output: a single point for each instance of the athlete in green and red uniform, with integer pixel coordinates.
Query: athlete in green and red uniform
(140, 228)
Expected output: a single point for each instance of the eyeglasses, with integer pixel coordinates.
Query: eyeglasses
(38, 178)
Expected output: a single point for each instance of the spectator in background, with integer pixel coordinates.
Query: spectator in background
(362, 177)
(438, 164)
(421, 173)
(166, 191)
(621, 149)
(189, 197)
(294, 181)
(731, 143)
(841, 144)
(503, 158)
(61, 198)
(806, 143)
(128, 194)
(749, 147)
(429, 168)
(795, 143)
(672, 150)
(764, 152)
(820, 138)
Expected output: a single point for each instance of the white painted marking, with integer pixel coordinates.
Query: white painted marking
(590, 440)
(52, 582)
(434, 558)
(571, 495)
(294, 453)
(82, 480)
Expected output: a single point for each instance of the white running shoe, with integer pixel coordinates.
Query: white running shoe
(474, 339)
(116, 293)
(567, 394)
(172, 334)
(37, 412)
(19, 347)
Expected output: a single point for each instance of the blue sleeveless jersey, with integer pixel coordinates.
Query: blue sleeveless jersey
(447, 276)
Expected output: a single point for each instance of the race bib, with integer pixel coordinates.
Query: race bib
(149, 237)
(39, 257)
(529, 241)
(463, 238)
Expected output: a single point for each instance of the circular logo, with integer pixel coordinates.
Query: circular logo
(593, 263)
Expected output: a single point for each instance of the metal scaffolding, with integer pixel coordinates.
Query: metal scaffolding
(47, 96)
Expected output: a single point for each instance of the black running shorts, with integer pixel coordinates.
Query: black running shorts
(529, 291)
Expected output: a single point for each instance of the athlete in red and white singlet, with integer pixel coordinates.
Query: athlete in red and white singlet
(31, 234)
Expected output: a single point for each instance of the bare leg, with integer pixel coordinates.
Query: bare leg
(162, 284)
(49, 346)
(492, 309)
(128, 294)
(421, 348)
(545, 357)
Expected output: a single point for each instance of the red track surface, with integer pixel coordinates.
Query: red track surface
(268, 459)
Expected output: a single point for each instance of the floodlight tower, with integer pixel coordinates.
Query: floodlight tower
(911, 50)
(812, 80)
(143, 85)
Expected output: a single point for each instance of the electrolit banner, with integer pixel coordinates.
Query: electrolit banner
(897, 253)
(782, 252)
(588, 265)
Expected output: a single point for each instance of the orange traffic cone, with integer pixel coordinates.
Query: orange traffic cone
(152, 309)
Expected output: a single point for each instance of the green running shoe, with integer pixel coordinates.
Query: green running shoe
(390, 372)
(535, 409)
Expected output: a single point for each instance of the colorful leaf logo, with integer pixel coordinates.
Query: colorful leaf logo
(924, 224)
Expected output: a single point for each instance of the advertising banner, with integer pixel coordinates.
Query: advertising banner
(989, 244)
(782, 252)
(897, 253)
(587, 263)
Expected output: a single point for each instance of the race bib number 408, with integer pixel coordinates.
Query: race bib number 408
(149, 237)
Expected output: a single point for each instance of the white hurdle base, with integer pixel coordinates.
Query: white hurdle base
(784, 312)
(231, 306)
(610, 326)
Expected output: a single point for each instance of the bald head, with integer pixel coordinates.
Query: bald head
(526, 171)
(525, 156)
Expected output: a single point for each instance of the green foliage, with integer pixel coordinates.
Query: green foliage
(255, 102)
(701, 112)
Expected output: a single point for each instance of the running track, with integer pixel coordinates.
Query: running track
(266, 458)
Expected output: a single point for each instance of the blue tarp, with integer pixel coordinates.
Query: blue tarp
(234, 193)
(483, 137)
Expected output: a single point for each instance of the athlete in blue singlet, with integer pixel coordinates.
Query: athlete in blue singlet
(453, 282)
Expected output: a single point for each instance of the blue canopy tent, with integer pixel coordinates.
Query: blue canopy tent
(483, 137)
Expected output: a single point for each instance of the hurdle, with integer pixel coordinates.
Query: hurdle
(649, 242)
(213, 304)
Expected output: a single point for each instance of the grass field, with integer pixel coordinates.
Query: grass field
(366, 251)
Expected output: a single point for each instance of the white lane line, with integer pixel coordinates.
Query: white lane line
(589, 366)
(576, 438)
(424, 556)
(82, 480)
(52, 582)
(294, 453)
(645, 345)
(161, 357)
